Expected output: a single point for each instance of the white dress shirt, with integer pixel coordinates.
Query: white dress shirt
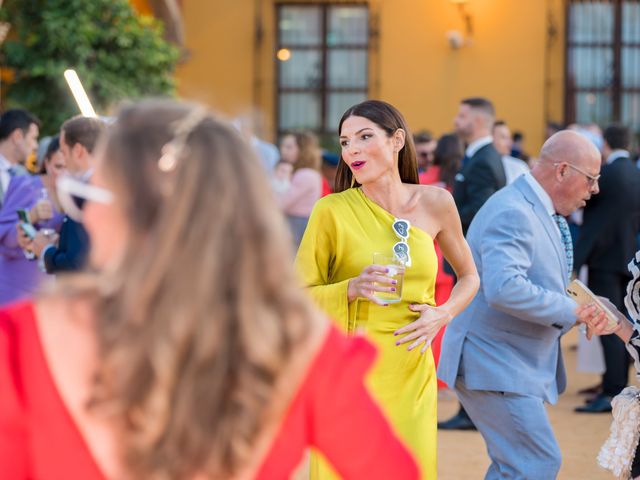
(5, 177)
(477, 145)
(513, 168)
(616, 154)
(544, 198)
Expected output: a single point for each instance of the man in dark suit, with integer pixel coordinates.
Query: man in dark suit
(606, 242)
(482, 175)
(482, 172)
(78, 138)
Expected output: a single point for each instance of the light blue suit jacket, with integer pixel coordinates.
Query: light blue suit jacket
(508, 338)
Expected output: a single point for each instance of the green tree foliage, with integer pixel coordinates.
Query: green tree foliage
(117, 54)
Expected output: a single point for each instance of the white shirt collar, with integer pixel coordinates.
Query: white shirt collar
(477, 145)
(540, 193)
(85, 176)
(616, 154)
(4, 163)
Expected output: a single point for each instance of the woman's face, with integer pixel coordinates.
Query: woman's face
(368, 150)
(106, 223)
(55, 165)
(289, 149)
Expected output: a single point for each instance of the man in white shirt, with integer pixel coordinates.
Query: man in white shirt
(18, 139)
(513, 167)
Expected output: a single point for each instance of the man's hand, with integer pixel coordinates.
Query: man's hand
(24, 242)
(43, 238)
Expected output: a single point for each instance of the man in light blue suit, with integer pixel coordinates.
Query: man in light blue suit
(502, 354)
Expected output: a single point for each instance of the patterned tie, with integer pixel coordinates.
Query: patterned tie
(566, 240)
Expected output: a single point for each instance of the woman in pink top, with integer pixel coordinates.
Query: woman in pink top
(302, 151)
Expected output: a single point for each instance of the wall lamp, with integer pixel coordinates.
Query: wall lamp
(457, 38)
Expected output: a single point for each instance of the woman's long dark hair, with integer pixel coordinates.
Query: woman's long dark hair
(388, 118)
(448, 156)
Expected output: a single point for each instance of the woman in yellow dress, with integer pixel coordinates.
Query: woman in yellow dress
(380, 208)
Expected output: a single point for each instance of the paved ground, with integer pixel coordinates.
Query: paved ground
(462, 455)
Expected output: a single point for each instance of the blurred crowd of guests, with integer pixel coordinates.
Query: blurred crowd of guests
(36, 238)
(183, 345)
(304, 173)
(300, 173)
(128, 205)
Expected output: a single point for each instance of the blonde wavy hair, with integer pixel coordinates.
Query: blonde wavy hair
(202, 324)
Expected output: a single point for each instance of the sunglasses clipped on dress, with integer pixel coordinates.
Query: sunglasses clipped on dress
(401, 251)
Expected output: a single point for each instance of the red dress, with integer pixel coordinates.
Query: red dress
(444, 281)
(331, 412)
(326, 188)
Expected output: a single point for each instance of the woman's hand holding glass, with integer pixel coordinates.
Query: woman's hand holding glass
(425, 328)
(373, 278)
(43, 210)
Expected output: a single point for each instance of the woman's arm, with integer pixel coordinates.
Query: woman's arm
(316, 260)
(304, 182)
(315, 257)
(456, 251)
(19, 195)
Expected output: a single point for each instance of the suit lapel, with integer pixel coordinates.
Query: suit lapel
(547, 222)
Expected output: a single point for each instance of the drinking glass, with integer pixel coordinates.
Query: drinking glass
(396, 272)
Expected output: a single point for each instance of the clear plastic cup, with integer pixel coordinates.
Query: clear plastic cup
(396, 272)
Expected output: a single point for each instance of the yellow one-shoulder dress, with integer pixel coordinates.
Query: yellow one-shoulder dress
(344, 231)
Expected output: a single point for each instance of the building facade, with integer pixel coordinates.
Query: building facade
(300, 64)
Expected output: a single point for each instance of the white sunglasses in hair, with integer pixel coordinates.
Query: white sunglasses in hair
(73, 193)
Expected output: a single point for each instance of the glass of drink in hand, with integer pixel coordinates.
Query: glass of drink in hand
(396, 272)
(43, 208)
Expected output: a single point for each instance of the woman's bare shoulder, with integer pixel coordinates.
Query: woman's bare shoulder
(434, 198)
(65, 328)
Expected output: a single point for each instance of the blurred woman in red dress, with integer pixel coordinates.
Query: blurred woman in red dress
(192, 353)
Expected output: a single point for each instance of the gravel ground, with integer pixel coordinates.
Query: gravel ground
(462, 455)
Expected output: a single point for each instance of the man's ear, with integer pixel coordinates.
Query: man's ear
(561, 172)
(79, 151)
(17, 135)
